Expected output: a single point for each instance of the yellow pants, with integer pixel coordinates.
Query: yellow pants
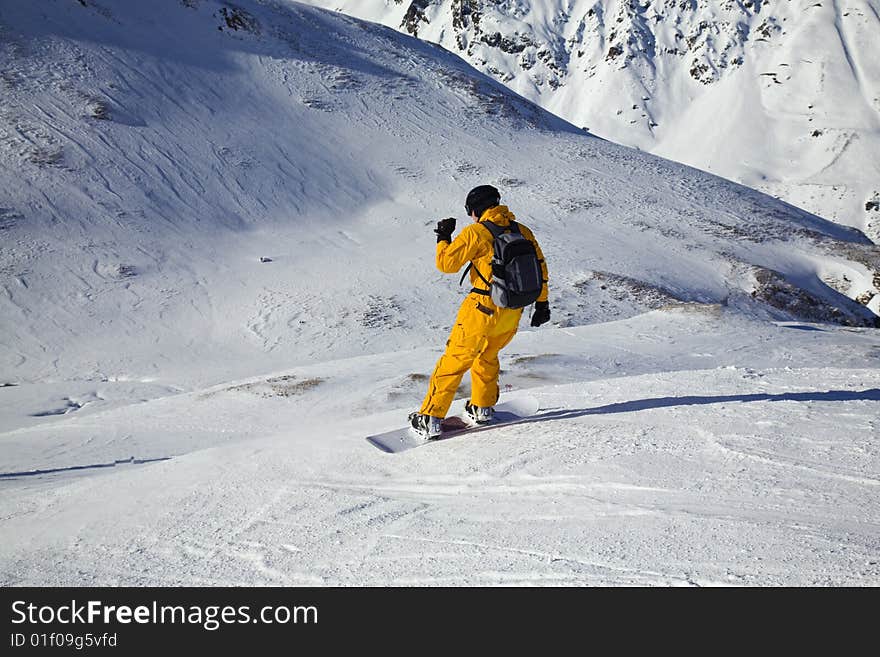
(481, 330)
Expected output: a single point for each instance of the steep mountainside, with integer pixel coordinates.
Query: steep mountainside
(144, 175)
(781, 95)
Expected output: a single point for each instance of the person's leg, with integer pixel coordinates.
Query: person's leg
(484, 371)
(445, 381)
(466, 341)
(485, 368)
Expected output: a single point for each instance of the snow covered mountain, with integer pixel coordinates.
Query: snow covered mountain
(144, 178)
(216, 266)
(783, 96)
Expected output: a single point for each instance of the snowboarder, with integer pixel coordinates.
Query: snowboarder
(482, 328)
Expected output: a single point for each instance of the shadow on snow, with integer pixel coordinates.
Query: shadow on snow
(872, 394)
(74, 468)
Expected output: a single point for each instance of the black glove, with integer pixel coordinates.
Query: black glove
(541, 314)
(444, 229)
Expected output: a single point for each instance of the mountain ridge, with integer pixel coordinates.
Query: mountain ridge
(146, 176)
(782, 96)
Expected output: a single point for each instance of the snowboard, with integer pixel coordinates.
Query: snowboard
(507, 412)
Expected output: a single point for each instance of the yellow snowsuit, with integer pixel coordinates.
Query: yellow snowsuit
(481, 328)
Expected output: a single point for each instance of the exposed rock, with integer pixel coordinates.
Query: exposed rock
(613, 52)
(772, 288)
(415, 15)
(238, 19)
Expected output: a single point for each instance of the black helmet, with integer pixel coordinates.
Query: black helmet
(480, 199)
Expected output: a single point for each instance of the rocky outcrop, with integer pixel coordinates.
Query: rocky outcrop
(631, 71)
(772, 288)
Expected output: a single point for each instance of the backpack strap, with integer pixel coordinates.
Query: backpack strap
(497, 230)
(475, 289)
(488, 284)
(465, 273)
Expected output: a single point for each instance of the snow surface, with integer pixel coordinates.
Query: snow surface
(173, 410)
(783, 96)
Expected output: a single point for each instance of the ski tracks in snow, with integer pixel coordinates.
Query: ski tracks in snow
(519, 499)
(679, 493)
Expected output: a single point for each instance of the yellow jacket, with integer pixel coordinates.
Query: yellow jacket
(474, 244)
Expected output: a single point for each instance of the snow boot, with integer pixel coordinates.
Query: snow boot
(479, 414)
(426, 426)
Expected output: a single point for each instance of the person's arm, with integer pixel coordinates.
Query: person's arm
(452, 256)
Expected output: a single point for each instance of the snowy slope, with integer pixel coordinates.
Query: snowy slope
(160, 384)
(331, 147)
(660, 467)
(781, 96)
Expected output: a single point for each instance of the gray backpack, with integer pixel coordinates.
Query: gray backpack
(517, 279)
